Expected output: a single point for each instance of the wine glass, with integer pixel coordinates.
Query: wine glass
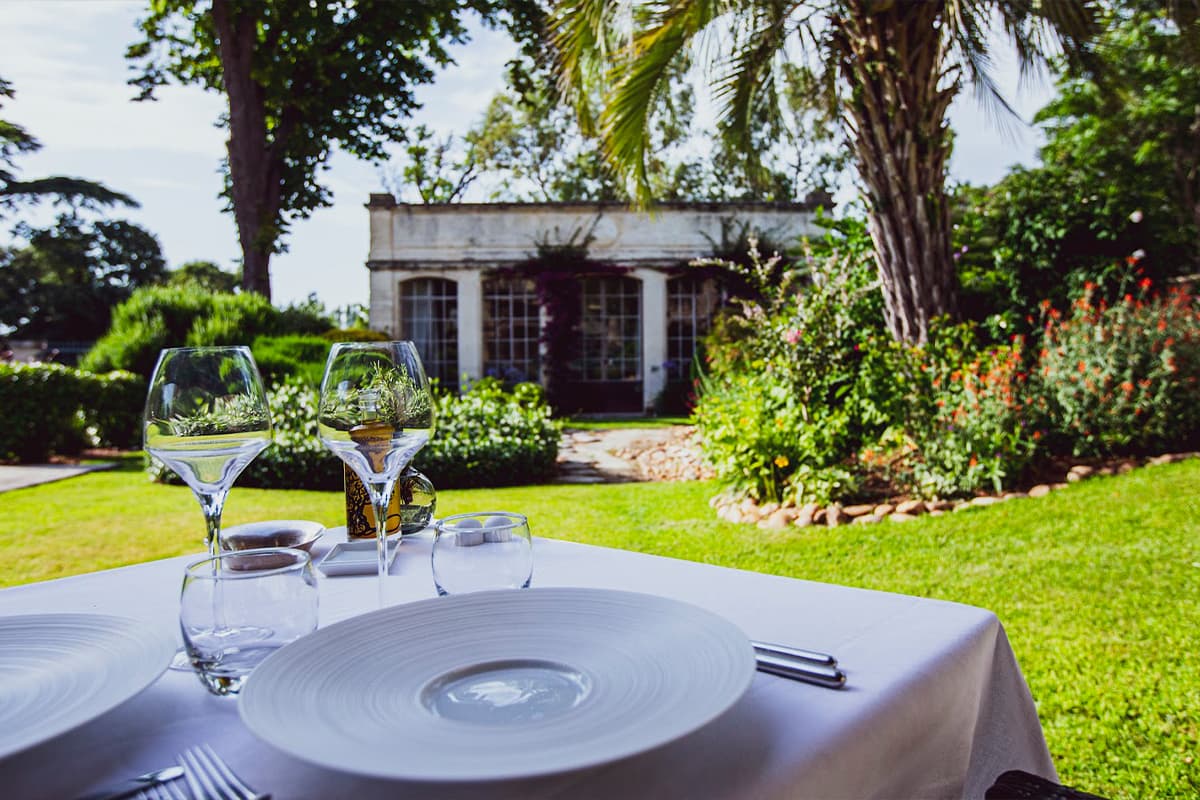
(207, 418)
(376, 412)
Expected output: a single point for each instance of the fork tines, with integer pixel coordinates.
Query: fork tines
(210, 778)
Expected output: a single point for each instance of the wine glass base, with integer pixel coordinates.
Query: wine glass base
(180, 661)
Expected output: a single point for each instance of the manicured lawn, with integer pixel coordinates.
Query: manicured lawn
(1098, 586)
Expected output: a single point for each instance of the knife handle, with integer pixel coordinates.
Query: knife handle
(767, 648)
(829, 677)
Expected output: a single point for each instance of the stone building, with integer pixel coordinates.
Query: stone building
(455, 279)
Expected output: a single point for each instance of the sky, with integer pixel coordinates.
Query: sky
(65, 59)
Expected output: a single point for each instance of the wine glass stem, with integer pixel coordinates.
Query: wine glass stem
(212, 504)
(381, 498)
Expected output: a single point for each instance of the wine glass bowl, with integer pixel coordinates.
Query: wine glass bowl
(207, 418)
(375, 413)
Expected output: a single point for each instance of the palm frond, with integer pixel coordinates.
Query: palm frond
(580, 40)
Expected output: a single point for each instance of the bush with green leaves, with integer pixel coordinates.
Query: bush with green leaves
(299, 358)
(354, 335)
(966, 425)
(789, 393)
(112, 409)
(41, 405)
(491, 437)
(486, 437)
(1121, 378)
(177, 316)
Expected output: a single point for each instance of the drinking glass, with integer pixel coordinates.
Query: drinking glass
(482, 550)
(376, 412)
(207, 418)
(237, 608)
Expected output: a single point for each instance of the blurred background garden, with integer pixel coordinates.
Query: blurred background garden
(936, 343)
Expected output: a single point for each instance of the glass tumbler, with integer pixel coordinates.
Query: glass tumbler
(237, 608)
(482, 550)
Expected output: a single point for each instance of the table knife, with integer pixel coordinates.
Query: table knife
(799, 670)
(768, 648)
(131, 786)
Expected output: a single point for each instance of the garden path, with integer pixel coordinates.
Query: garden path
(19, 476)
(624, 455)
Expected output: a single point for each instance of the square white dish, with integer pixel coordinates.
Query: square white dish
(357, 557)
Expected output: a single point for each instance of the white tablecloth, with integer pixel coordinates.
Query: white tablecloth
(935, 705)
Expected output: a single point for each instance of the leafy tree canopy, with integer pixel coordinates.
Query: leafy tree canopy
(302, 79)
(206, 275)
(16, 141)
(1117, 195)
(65, 282)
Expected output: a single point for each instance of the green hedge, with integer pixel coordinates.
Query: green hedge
(486, 437)
(50, 408)
(298, 358)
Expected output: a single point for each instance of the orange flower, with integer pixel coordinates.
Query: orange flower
(781, 461)
(973, 462)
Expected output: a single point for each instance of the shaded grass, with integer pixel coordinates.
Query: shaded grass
(1097, 585)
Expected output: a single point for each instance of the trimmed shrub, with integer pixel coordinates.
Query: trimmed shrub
(112, 408)
(490, 437)
(487, 437)
(41, 404)
(176, 316)
(299, 358)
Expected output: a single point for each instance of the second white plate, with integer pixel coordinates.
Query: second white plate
(498, 685)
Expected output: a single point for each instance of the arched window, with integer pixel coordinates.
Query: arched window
(429, 317)
(511, 330)
(691, 304)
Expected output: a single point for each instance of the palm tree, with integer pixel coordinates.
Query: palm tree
(888, 68)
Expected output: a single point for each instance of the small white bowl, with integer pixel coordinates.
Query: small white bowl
(297, 533)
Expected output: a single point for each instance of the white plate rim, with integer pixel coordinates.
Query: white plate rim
(256, 696)
(136, 676)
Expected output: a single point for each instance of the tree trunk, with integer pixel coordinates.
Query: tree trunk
(253, 175)
(893, 56)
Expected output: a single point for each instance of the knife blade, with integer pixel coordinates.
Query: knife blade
(799, 670)
(131, 786)
(795, 652)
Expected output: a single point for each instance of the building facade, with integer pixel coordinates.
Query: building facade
(449, 278)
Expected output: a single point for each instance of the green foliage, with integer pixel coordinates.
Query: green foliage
(206, 275)
(1119, 180)
(177, 316)
(965, 427)
(41, 404)
(15, 141)
(316, 76)
(112, 409)
(298, 358)
(1121, 378)
(66, 279)
(486, 437)
(490, 437)
(786, 399)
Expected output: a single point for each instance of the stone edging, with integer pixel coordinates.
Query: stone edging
(773, 516)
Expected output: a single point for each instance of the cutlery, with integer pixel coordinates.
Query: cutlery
(767, 648)
(800, 670)
(131, 786)
(210, 778)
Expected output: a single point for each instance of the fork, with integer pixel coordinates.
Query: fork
(163, 791)
(209, 778)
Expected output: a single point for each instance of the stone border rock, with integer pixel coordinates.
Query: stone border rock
(773, 516)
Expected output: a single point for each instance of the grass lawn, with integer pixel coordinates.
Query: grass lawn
(1098, 585)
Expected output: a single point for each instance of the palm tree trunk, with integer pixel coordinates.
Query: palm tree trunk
(897, 118)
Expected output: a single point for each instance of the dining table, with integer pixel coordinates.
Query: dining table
(934, 704)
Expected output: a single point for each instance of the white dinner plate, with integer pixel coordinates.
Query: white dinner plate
(58, 671)
(498, 685)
